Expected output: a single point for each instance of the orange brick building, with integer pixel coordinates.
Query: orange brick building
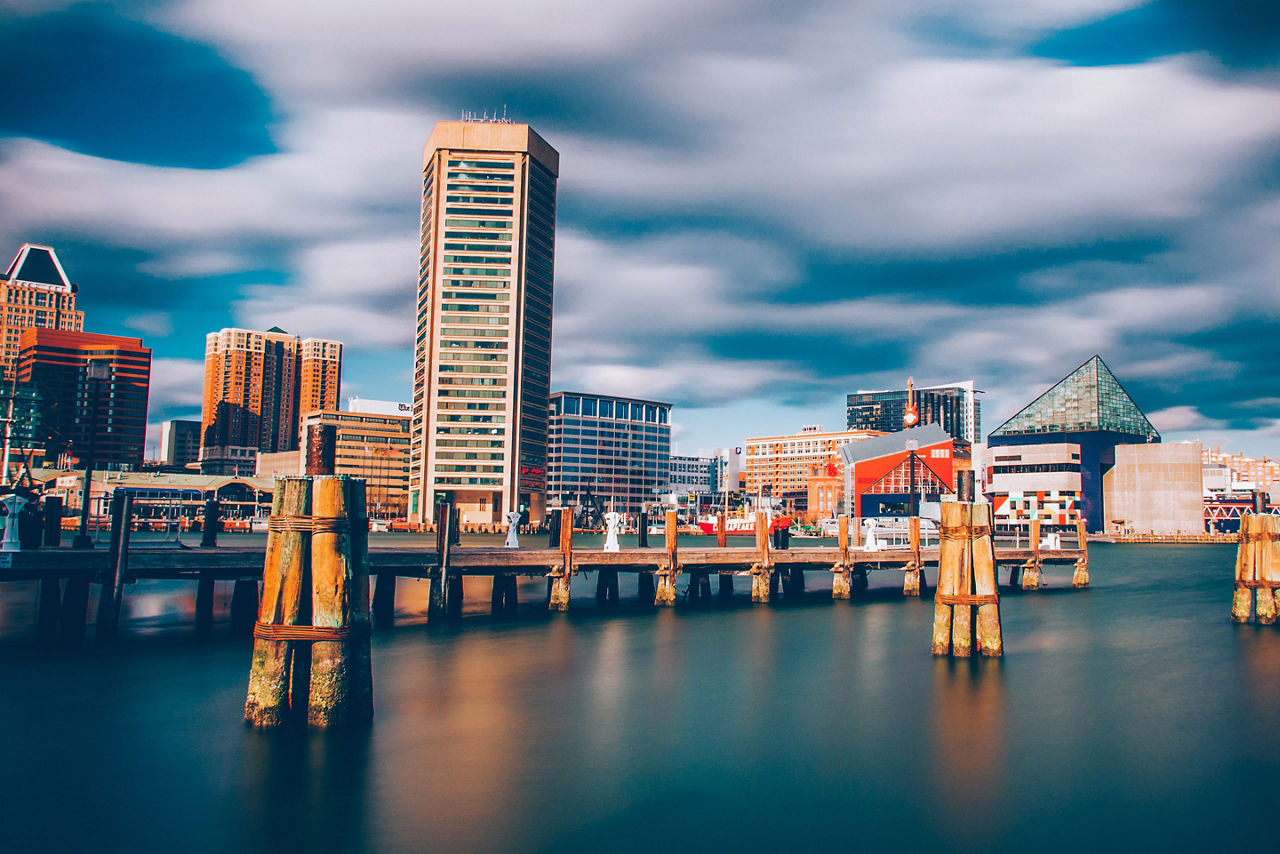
(256, 384)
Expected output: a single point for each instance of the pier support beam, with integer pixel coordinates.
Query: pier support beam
(911, 579)
(444, 543)
(504, 599)
(1081, 577)
(726, 586)
(244, 607)
(560, 579)
(665, 596)
(112, 587)
(384, 599)
(607, 587)
(204, 606)
(762, 571)
(841, 586)
(1031, 571)
(75, 609)
(1257, 573)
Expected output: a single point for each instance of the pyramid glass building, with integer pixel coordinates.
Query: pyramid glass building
(1089, 408)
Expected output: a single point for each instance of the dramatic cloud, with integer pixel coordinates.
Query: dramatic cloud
(762, 206)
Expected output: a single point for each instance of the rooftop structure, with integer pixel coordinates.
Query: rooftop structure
(34, 293)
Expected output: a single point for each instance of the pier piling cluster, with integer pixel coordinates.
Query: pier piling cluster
(966, 581)
(311, 653)
(1257, 569)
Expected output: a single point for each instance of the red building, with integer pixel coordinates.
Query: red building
(103, 406)
(878, 471)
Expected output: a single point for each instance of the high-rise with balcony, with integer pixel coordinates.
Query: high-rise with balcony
(35, 293)
(482, 357)
(256, 385)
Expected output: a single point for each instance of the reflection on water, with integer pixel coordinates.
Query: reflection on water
(1132, 715)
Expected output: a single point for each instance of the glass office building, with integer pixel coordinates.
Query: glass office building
(615, 450)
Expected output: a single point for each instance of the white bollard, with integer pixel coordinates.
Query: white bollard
(513, 530)
(13, 504)
(612, 520)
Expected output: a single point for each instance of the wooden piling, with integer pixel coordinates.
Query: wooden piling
(1264, 570)
(949, 558)
(341, 686)
(244, 606)
(665, 596)
(75, 608)
(384, 599)
(1081, 577)
(911, 579)
(721, 538)
(762, 570)
(108, 619)
(966, 579)
(204, 606)
(982, 545)
(1031, 572)
(841, 586)
(48, 607)
(444, 543)
(726, 586)
(607, 587)
(1242, 599)
(559, 599)
(503, 599)
(284, 578)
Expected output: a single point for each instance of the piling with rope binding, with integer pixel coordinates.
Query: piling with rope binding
(562, 574)
(1032, 570)
(1080, 579)
(842, 580)
(762, 571)
(665, 595)
(1257, 574)
(312, 658)
(911, 579)
(966, 580)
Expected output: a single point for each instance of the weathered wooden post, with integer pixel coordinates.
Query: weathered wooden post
(48, 607)
(1256, 569)
(444, 544)
(52, 520)
(762, 570)
(1031, 570)
(986, 596)
(322, 449)
(384, 599)
(341, 683)
(117, 565)
(210, 522)
(283, 604)
(966, 578)
(665, 596)
(726, 578)
(561, 575)
(244, 606)
(504, 598)
(1081, 577)
(642, 532)
(75, 607)
(911, 579)
(841, 581)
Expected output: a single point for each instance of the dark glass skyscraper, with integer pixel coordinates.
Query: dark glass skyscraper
(482, 356)
(954, 408)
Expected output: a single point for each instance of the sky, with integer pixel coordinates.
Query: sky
(763, 206)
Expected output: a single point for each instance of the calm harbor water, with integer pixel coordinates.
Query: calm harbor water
(1131, 715)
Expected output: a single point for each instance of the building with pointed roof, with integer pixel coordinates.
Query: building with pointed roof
(1089, 408)
(35, 293)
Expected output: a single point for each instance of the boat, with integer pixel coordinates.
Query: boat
(740, 526)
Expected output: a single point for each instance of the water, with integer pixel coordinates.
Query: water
(1132, 715)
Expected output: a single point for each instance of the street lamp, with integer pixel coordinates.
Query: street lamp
(912, 446)
(95, 371)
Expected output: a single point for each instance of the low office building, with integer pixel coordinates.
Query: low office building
(372, 446)
(611, 450)
(1156, 489)
(1027, 482)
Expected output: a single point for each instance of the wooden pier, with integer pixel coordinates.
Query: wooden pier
(65, 575)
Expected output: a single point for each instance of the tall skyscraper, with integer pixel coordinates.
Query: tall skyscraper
(104, 417)
(254, 383)
(34, 294)
(482, 361)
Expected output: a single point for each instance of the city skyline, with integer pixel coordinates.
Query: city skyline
(978, 191)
